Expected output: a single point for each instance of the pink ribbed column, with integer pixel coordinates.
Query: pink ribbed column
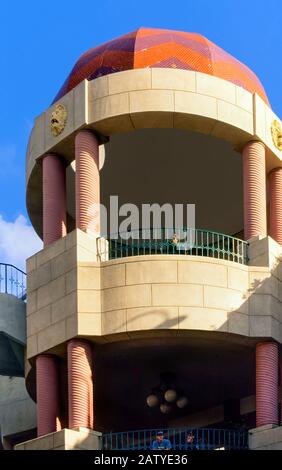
(87, 181)
(275, 206)
(254, 187)
(54, 198)
(47, 394)
(80, 384)
(266, 383)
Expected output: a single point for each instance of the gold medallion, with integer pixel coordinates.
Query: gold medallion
(276, 132)
(58, 119)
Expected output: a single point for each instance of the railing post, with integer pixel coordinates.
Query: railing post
(6, 280)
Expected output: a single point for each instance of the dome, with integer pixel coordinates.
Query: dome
(161, 48)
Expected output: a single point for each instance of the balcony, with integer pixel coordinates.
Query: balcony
(180, 439)
(71, 292)
(196, 242)
(12, 281)
(12, 320)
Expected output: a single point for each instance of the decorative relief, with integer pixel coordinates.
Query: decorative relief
(276, 132)
(58, 119)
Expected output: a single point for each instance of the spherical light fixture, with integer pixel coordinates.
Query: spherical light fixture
(182, 402)
(170, 395)
(152, 400)
(165, 408)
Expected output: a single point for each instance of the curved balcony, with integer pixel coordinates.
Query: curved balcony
(180, 439)
(12, 320)
(12, 281)
(189, 241)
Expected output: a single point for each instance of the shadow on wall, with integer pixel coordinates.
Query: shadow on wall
(258, 312)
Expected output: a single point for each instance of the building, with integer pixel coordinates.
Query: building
(131, 334)
(17, 409)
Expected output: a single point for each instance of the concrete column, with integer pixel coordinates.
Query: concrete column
(80, 384)
(266, 383)
(47, 394)
(254, 187)
(275, 204)
(54, 198)
(87, 181)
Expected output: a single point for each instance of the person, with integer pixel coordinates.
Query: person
(161, 442)
(191, 442)
(175, 239)
(178, 246)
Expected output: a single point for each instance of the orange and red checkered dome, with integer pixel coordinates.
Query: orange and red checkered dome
(161, 48)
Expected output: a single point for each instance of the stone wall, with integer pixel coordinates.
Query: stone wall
(72, 294)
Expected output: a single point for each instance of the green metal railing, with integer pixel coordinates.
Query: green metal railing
(197, 242)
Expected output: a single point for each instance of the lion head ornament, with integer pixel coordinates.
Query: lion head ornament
(276, 132)
(58, 119)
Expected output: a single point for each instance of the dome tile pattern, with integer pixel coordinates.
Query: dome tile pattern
(161, 48)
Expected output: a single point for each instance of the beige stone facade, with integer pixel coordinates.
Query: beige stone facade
(268, 437)
(72, 294)
(66, 439)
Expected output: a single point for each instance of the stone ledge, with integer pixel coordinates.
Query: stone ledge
(66, 439)
(267, 437)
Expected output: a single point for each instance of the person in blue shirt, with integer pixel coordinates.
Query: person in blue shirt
(160, 442)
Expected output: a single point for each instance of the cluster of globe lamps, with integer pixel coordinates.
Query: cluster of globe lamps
(166, 400)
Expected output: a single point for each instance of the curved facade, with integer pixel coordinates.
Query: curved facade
(156, 131)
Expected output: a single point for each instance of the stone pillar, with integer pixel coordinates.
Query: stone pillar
(275, 204)
(54, 198)
(87, 181)
(266, 383)
(254, 187)
(47, 394)
(80, 384)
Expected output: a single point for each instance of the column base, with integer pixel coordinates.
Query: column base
(66, 439)
(268, 437)
(264, 251)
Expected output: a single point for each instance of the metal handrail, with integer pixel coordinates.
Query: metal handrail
(198, 242)
(12, 281)
(180, 439)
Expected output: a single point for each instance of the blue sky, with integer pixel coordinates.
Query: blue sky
(41, 40)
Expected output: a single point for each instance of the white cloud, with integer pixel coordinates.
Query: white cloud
(18, 241)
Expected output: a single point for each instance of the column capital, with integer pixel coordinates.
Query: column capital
(55, 156)
(254, 141)
(277, 169)
(102, 139)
